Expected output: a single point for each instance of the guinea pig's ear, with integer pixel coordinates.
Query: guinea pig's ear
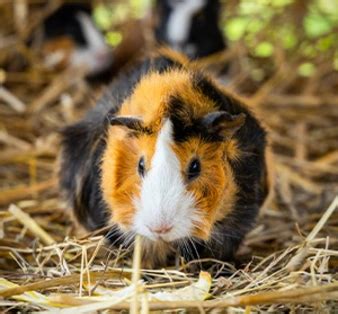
(129, 122)
(223, 124)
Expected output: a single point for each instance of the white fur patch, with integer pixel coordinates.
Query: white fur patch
(180, 20)
(97, 55)
(164, 199)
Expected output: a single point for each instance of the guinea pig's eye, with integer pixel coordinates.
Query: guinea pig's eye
(141, 167)
(194, 169)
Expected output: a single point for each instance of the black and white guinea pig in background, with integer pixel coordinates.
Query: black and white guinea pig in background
(70, 37)
(189, 26)
(170, 155)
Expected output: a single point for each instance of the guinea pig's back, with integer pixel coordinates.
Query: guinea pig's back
(81, 145)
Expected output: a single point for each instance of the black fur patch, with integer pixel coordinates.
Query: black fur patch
(80, 174)
(185, 125)
(63, 22)
(205, 34)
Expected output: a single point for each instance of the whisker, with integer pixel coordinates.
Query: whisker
(196, 251)
(189, 254)
(117, 240)
(128, 241)
(205, 244)
(111, 234)
(112, 231)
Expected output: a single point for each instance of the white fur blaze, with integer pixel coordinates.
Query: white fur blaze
(180, 20)
(164, 199)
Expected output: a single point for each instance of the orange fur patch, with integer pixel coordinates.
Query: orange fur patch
(214, 190)
(173, 55)
(231, 150)
(120, 178)
(151, 97)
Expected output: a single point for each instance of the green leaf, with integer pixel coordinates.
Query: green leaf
(102, 17)
(251, 7)
(264, 49)
(288, 37)
(280, 3)
(317, 25)
(326, 42)
(306, 69)
(329, 7)
(139, 7)
(308, 50)
(255, 25)
(236, 27)
(113, 38)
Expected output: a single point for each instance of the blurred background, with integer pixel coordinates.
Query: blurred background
(56, 58)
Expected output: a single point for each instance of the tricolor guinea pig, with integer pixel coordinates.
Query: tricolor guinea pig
(189, 26)
(170, 155)
(70, 37)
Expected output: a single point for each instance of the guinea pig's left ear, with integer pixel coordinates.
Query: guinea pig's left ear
(131, 123)
(223, 124)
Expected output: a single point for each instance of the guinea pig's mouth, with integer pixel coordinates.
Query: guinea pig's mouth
(166, 228)
(162, 240)
(156, 237)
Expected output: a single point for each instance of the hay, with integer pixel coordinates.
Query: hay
(288, 262)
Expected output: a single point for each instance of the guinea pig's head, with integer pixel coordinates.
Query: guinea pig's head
(165, 170)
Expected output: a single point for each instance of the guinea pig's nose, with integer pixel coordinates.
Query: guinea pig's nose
(161, 229)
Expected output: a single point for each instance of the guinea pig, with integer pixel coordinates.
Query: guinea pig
(71, 37)
(189, 26)
(168, 154)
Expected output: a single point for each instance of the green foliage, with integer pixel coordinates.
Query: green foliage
(108, 15)
(327, 42)
(113, 38)
(329, 7)
(288, 37)
(280, 3)
(305, 29)
(140, 7)
(306, 69)
(236, 28)
(317, 24)
(264, 49)
(103, 17)
(254, 15)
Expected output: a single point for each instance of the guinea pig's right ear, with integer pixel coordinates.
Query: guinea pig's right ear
(223, 124)
(129, 122)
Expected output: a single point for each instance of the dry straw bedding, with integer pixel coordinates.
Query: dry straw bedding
(288, 262)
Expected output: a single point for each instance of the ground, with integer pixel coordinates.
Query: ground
(288, 262)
